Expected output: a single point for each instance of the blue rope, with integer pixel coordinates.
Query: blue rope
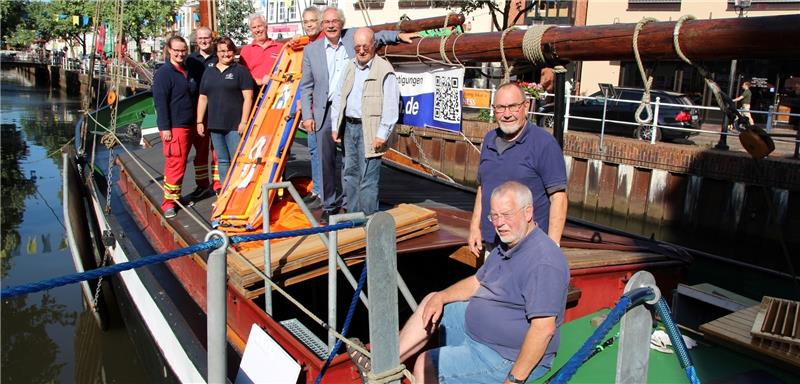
(574, 362)
(116, 268)
(677, 341)
(346, 327)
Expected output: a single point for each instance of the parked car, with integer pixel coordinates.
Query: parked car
(684, 116)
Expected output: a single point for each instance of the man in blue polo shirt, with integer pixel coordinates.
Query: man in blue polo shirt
(501, 324)
(521, 151)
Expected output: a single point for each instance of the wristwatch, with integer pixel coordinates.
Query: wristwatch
(513, 379)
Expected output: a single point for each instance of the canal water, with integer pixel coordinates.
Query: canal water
(47, 337)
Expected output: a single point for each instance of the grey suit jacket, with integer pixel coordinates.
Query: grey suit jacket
(314, 83)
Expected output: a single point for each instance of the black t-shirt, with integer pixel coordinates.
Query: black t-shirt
(224, 92)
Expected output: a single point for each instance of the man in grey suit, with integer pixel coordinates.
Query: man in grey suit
(324, 61)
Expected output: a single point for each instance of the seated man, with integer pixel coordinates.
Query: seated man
(501, 324)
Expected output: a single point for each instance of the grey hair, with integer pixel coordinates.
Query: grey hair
(255, 16)
(522, 193)
(512, 85)
(338, 12)
(203, 28)
(315, 11)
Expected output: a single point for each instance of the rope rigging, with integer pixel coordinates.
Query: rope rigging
(647, 80)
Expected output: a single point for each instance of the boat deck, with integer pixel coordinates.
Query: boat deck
(589, 251)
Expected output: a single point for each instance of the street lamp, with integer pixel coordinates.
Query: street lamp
(739, 6)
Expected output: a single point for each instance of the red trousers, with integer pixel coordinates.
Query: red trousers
(176, 154)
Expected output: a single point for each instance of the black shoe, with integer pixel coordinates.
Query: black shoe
(312, 201)
(200, 193)
(326, 214)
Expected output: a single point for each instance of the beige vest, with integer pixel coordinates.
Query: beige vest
(371, 100)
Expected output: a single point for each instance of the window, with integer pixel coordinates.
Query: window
(765, 5)
(551, 12)
(413, 4)
(368, 4)
(654, 5)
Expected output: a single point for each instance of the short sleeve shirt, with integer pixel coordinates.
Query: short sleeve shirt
(516, 285)
(224, 92)
(259, 60)
(533, 159)
(746, 96)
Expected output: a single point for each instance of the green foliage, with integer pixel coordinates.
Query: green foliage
(500, 12)
(12, 149)
(486, 116)
(232, 18)
(148, 18)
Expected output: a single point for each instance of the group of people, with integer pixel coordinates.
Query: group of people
(499, 325)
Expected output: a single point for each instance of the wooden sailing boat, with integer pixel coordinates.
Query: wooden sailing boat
(176, 292)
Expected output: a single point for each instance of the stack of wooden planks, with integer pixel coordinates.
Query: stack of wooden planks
(298, 259)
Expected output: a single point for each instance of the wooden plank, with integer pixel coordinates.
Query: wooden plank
(734, 329)
(576, 188)
(675, 197)
(593, 169)
(606, 187)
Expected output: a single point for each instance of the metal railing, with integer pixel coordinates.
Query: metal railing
(128, 73)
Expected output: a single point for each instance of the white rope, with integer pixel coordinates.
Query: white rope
(676, 33)
(532, 44)
(647, 80)
(463, 136)
(506, 70)
(389, 375)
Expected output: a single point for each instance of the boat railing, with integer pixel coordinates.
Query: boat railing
(334, 259)
(772, 117)
(383, 315)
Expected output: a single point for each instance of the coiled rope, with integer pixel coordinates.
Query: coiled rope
(148, 260)
(647, 80)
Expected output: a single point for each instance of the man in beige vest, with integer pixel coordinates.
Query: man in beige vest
(364, 111)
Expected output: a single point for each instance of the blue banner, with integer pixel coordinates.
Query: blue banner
(431, 96)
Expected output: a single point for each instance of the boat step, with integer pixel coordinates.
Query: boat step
(306, 337)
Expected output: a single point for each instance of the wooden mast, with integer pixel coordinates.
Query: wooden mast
(719, 39)
(422, 24)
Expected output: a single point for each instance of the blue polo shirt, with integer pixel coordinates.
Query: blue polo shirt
(533, 159)
(196, 64)
(525, 282)
(224, 92)
(175, 98)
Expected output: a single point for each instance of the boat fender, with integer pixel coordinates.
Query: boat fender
(756, 142)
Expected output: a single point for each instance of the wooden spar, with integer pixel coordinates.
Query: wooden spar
(421, 24)
(719, 39)
(207, 18)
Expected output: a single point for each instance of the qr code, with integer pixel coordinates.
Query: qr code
(447, 99)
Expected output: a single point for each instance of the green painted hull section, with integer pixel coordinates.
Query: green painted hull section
(711, 362)
(132, 110)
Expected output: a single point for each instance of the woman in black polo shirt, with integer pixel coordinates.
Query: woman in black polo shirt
(227, 92)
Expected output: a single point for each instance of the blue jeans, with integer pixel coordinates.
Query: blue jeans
(316, 170)
(461, 359)
(225, 144)
(361, 175)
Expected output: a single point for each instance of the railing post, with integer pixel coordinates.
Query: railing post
(654, 131)
(603, 123)
(383, 317)
(216, 307)
(491, 102)
(567, 95)
(267, 251)
(634, 334)
(770, 117)
(558, 111)
(333, 254)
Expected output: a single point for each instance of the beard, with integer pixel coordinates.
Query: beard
(509, 127)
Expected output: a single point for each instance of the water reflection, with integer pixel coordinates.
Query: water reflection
(45, 336)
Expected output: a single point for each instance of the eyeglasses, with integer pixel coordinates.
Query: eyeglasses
(495, 217)
(310, 21)
(177, 50)
(365, 48)
(334, 21)
(204, 38)
(510, 107)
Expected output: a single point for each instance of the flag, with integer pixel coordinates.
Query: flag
(76, 20)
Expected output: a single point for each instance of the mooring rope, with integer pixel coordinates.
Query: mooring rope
(647, 80)
(215, 243)
(506, 69)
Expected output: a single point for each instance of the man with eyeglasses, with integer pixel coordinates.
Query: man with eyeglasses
(174, 96)
(521, 291)
(323, 63)
(196, 64)
(521, 151)
(366, 102)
